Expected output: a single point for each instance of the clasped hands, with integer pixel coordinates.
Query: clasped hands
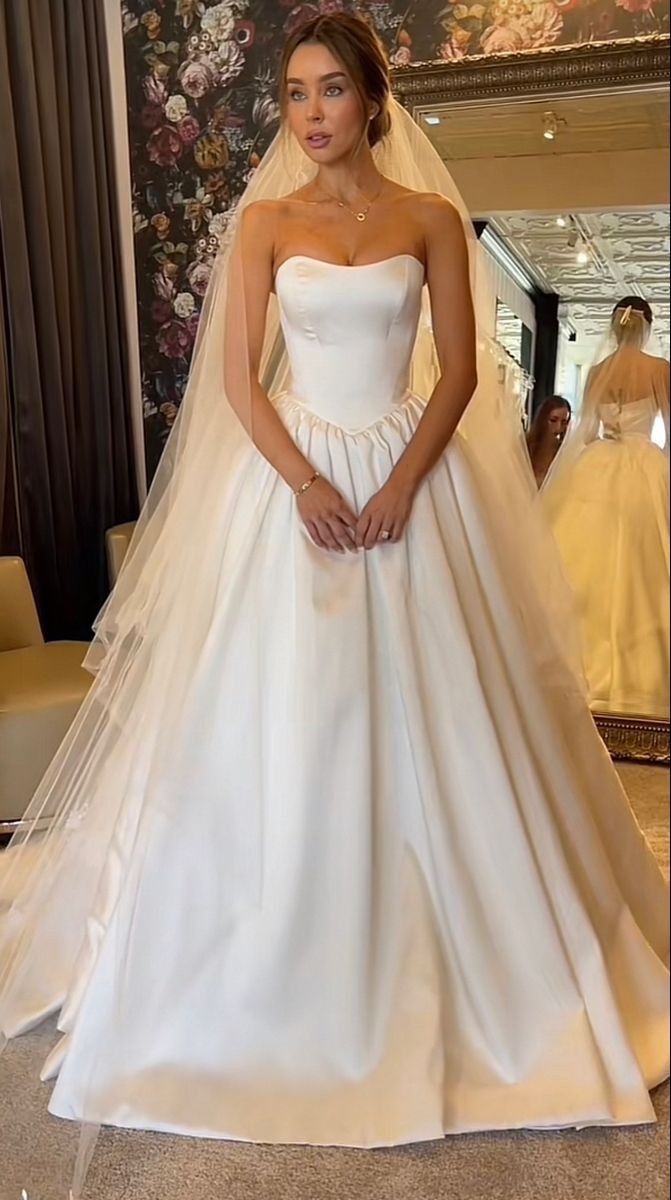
(333, 525)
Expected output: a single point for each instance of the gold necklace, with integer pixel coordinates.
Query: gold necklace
(359, 215)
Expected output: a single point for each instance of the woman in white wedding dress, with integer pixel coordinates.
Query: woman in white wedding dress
(608, 500)
(338, 856)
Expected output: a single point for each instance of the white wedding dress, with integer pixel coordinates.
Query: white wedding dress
(382, 882)
(611, 523)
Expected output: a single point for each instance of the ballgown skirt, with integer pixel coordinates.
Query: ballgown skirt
(612, 529)
(354, 866)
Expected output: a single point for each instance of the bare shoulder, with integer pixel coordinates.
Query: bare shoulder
(268, 214)
(257, 214)
(656, 364)
(664, 373)
(258, 225)
(436, 214)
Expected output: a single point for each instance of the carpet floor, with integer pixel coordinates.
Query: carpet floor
(37, 1151)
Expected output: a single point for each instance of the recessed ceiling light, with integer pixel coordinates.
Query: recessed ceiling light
(562, 222)
(432, 120)
(582, 257)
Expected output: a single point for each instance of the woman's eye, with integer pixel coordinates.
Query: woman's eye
(297, 95)
(334, 90)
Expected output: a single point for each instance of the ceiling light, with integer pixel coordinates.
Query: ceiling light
(562, 222)
(550, 126)
(582, 257)
(432, 120)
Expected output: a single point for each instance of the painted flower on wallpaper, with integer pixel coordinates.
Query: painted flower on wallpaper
(152, 24)
(188, 10)
(176, 109)
(185, 305)
(198, 209)
(161, 226)
(165, 146)
(219, 22)
(265, 111)
(164, 281)
(229, 60)
(175, 339)
(203, 105)
(197, 78)
(189, 130)
(211, 152)
(244, 33)
(198, 277)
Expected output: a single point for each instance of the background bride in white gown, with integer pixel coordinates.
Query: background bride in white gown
(608, 499)
(338, 855)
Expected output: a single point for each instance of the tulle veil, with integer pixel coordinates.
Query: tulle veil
(147, 635)
(627, 368)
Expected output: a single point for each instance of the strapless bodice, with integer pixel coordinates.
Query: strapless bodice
(635, 418)
(350, 333)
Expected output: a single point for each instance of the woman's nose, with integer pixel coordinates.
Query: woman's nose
(315, 111)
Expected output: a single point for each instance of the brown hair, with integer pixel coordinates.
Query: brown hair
(637, 304)
(541, 418)
(356, 45)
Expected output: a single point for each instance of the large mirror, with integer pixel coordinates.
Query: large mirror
(562, 158)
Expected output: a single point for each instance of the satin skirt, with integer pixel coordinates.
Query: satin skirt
(612, 529)
(358, 869)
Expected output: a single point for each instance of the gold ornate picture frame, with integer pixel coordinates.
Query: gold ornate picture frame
(595, 67)
(634, 739)
(592, 67)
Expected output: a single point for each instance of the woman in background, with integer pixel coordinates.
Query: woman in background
(548, 430)
(608, 499)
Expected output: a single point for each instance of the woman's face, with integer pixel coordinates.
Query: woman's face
(323, 109)
(558, 423)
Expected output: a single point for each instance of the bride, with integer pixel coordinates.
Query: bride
(336, 855)
(607, 497)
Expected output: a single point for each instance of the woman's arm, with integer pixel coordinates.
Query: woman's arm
(250, 285)
(328, 519)
(448, 279)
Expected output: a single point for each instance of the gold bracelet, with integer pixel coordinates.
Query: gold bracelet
(308, 484)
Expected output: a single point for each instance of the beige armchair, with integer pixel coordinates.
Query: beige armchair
(41, 688)
(117, 541)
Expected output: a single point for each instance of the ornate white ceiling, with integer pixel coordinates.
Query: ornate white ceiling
(628, 252)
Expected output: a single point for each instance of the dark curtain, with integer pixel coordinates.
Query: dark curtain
(67, 458)
(9, 527)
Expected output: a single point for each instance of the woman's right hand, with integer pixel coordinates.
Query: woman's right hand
(327, 517)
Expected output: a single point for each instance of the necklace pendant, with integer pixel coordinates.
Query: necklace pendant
(361, 216)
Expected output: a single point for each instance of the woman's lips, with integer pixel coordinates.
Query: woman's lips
(317, 141)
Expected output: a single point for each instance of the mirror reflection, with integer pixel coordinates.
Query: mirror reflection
(513, 335)
(576, 227)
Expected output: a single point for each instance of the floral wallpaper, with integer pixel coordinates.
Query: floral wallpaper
(202, 110)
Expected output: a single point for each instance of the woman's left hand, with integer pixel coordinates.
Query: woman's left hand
(386, 515)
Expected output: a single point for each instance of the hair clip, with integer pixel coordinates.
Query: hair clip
(626, 315)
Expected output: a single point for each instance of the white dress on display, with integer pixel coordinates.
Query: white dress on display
(375, 879)
(611, 521)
